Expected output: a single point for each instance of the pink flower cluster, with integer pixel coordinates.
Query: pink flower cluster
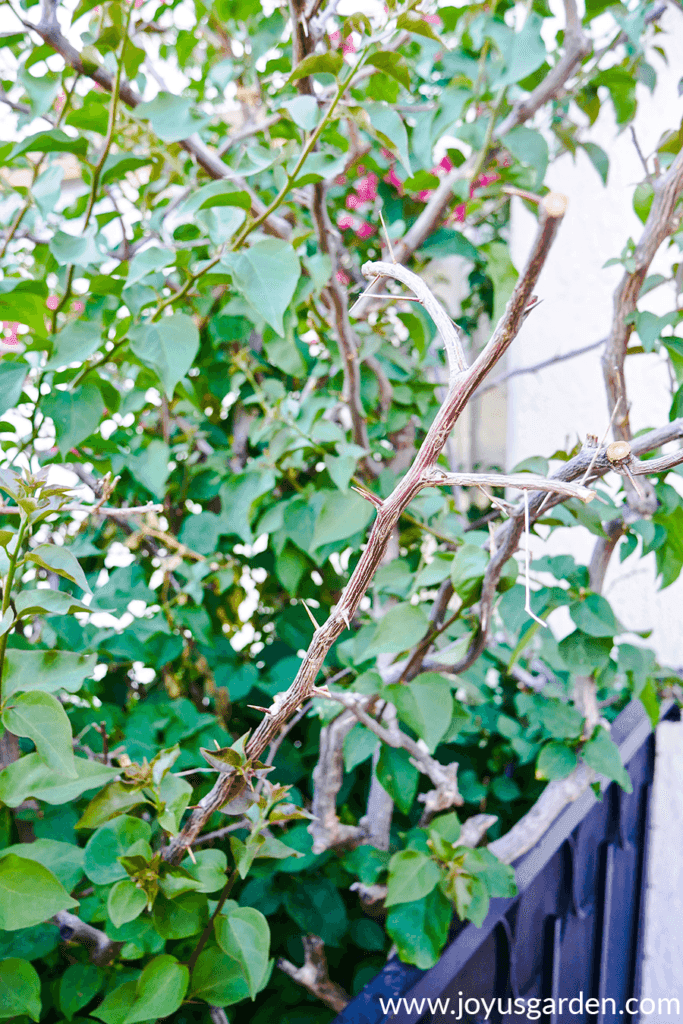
(11, 338)
(78, 306)
(52, 301)
(347, 44)
(365, 192)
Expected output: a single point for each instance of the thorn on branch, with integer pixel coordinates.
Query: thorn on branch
(374, 499)
(310, 614)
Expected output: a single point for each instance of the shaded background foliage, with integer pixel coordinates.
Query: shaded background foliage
(160, 328)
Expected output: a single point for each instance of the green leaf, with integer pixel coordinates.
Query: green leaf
(180, 917)
(50, 602)
(561, 720)
(40, 717)
(387, 122)
(529, 147)
(412, 875)
(523, 52)
(61, 561)
(175, 794)
(47, 189)
(29, 893)
(267, 274)
(366, 863)
(125, 902)
(594, 616)
(168, 347)
(555, 761)
(318, 64)
(318, 909)
(359, 745)
(412, 22)
(398, 776)
(79, 985)
(342, 515)
(150, 467)
(74, 344)
(420, 928)
(304, 111)
(110, 841)
(602, 755)
(244, 936)
(117, 1004)
(598, 158)
(209, 869)
(19, 989)
(46, 670)
(392, 64)
(582, 653)
(24, 301)
(218, 979)
(172, 118)
(54, 141)
(160, 990)
(147, 262)
(31, 777)
(81, 250)
(503, 274)
(114, 799)
(76, 414)
(64, 860)
(467, 570)
(425, 705)
(402, 627)
(12, 377)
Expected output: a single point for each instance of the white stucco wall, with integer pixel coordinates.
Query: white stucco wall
(554, 407)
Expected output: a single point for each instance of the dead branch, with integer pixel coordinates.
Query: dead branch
(376, 822)
(314, 974)
(72, 929)
(577, 46)
(326, 828)
(508, 535)
(535, 823)
(450, 335)
(444, 777)
(335, 295)
(517, 481)
(460, 391)
(49, 31)
(562, 357)
(659, 224)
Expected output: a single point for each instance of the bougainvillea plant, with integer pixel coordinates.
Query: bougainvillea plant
(277, 683)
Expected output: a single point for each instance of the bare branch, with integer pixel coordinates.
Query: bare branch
(577, 46)
(314, 974)
(658, 226)
(460, 391)
(326, 828)
(535, 823)
(518, 481)
(336, 296)
(508, 535)
(450, 334)
(72, 929)
(498, 381)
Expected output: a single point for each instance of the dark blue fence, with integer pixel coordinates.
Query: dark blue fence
(576, 925)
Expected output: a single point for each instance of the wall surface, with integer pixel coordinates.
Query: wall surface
(663, 947)
(555, 407)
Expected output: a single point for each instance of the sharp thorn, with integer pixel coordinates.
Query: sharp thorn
(257, 707)
(310, 614)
